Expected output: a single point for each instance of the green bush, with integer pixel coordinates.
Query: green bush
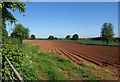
(32, 36)
(75, 37)
(20, 61)
(11, 41)
(68, 37)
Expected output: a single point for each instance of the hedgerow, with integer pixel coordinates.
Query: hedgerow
(20, 61)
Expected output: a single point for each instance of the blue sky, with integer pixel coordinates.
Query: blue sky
(63, 18)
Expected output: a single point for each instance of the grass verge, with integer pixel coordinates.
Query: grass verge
(51, 67)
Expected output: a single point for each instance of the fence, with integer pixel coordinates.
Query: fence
(12, 72)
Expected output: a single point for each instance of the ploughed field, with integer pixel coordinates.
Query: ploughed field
(100, 55)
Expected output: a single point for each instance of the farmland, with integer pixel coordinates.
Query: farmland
(104, 57)
(74, 51)
(52, 67)
(64, 41)
(95, 42)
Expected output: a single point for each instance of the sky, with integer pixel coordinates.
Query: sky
(62, 18)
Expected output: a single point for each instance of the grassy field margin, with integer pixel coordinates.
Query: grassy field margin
(94, 42)
(51, 67)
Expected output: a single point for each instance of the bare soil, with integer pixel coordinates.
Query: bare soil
(102, 56)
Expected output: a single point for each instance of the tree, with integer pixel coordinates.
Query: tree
(55, 38)
(107, 33)
(75, 37)
(51, 37)
(8, 16)
(32, 36)
(67, 37)
(5, 13)
(20, 32)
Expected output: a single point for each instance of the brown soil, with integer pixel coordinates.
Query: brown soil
(103, 56)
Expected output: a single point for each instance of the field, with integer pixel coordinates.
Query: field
(95, 42)
(104, 57)
(52, 67)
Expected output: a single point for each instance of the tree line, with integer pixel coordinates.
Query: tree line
(20, 32)
(107, 34)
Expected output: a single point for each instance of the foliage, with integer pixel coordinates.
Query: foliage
(96, 38)
(117, 39)
(4, 35)
(14, 41)
(0, 32)
(20, 61)
(107, 32)
(67, 37)
(32, 36)
(8, 16)
(11, 41)
(20, 32)
(94, 42)
(55, 38)
(75, 37)
(51, 37)
(24, 67)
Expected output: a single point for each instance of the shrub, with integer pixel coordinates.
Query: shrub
(20, 61)
(51, 37)
(75, 37)
(32, 36)
(67, 37)
(55, 38)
